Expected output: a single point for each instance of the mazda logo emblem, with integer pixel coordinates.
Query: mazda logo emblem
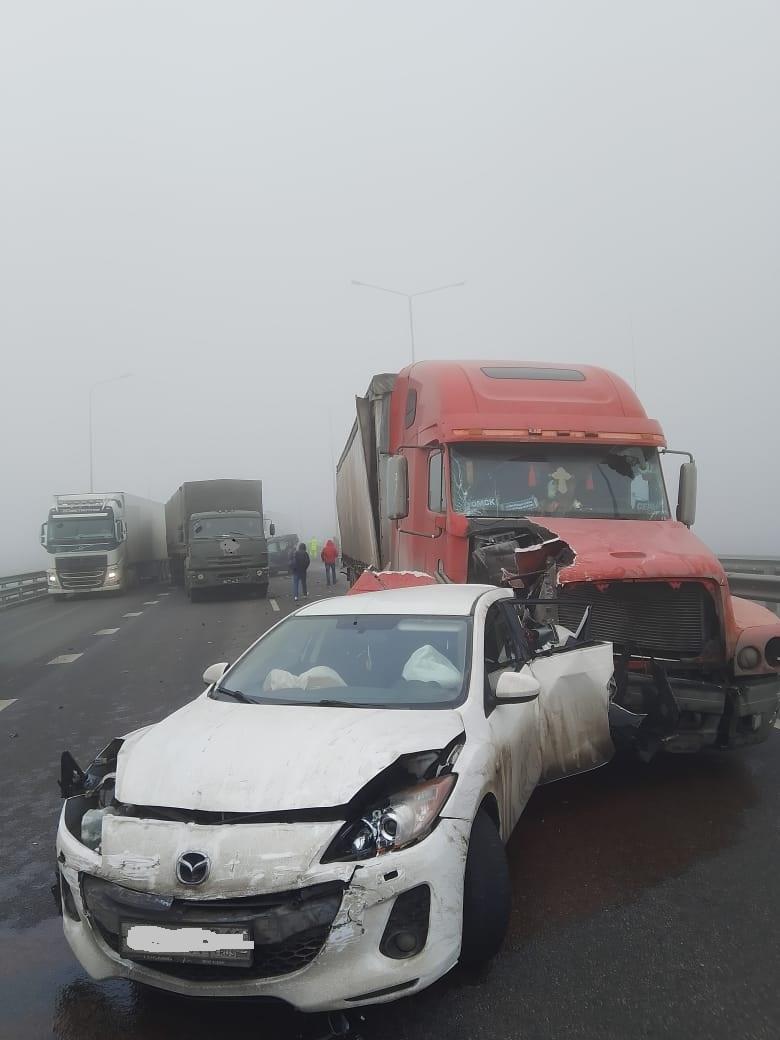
(193, 868)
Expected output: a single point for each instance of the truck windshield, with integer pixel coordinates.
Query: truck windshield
(355, 660)
(225, 526)
(81, 530)
(613, 482)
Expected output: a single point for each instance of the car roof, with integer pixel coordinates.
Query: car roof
(453, 600)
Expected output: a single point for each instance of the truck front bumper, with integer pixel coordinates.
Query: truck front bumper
(212, 578)
(692, 715)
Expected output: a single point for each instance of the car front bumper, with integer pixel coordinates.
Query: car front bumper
(349, 968)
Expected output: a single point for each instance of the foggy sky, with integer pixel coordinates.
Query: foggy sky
(188, 188)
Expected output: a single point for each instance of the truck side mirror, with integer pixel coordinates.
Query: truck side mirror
(686, 494)
(397, 485)
(272, 529)
(119, 530)
(43, 534)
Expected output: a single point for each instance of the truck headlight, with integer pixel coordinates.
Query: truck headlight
(400, 820)
(260, 573)
(748, 657)
(52, 579)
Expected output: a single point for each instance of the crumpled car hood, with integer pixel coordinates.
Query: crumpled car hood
(220, 756)
(633, 549)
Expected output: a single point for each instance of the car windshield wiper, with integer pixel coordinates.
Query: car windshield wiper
(342, 704)
(236, 695)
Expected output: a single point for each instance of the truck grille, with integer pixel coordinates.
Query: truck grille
(649, 618)
(81, 572)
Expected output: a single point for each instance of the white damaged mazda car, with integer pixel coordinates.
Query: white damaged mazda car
(325, 824)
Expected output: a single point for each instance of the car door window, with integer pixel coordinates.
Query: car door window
(501, 651)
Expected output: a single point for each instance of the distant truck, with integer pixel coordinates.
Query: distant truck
(216, 536)
(279, 550)
(549, 478)
(103, 541)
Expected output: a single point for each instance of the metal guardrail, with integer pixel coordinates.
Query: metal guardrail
(21, 588)
(754, 577)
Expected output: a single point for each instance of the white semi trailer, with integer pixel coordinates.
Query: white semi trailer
(104, 542)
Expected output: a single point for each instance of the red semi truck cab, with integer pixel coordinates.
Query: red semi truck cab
(549, 477)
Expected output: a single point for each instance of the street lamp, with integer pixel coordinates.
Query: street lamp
(101, 382)
(410, 298)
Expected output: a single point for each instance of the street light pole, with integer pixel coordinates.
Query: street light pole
(410, 297)
(101, 382)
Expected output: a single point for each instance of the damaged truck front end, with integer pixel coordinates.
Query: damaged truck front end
(694, 667)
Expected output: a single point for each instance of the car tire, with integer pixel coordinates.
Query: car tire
(487, 894)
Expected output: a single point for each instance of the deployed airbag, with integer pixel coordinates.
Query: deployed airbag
(317, 678)
(427, 665)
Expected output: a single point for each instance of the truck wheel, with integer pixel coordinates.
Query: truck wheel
(194, 595)
(487, 895)
(261, 591)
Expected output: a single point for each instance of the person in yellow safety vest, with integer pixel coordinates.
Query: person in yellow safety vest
(313, 547)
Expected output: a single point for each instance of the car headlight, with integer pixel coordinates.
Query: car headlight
(399, 820)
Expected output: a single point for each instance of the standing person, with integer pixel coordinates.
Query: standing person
(300, 564)
(313, 547)
(329, 555)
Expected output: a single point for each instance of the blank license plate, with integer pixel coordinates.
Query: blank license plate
(152, 942)
(230, 581)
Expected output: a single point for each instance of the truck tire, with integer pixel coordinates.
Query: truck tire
(487, 896)
(261, 591)
(194, 595)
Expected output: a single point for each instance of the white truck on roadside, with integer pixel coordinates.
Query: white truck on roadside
(104, 542)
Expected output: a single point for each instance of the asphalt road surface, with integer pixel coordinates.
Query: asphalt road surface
(645, 898)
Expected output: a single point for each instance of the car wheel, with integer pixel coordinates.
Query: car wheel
(487, 897)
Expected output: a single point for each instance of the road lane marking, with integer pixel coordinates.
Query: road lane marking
(165, 593)
(7, 704)
(133, 613)
(66, 659)
(106, 631)
(274, 605)
(151, 602)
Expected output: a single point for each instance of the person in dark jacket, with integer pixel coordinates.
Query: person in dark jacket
(300, 565)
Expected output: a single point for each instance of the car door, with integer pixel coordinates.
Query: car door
(573, 708)
(514, 728)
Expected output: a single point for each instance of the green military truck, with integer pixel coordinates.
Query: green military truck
(216, 536)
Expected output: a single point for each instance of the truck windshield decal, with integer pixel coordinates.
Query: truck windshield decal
(504, 480)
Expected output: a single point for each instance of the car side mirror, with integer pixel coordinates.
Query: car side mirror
(516, 688)
(397, 487)
(686, 494)
(214, 673)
